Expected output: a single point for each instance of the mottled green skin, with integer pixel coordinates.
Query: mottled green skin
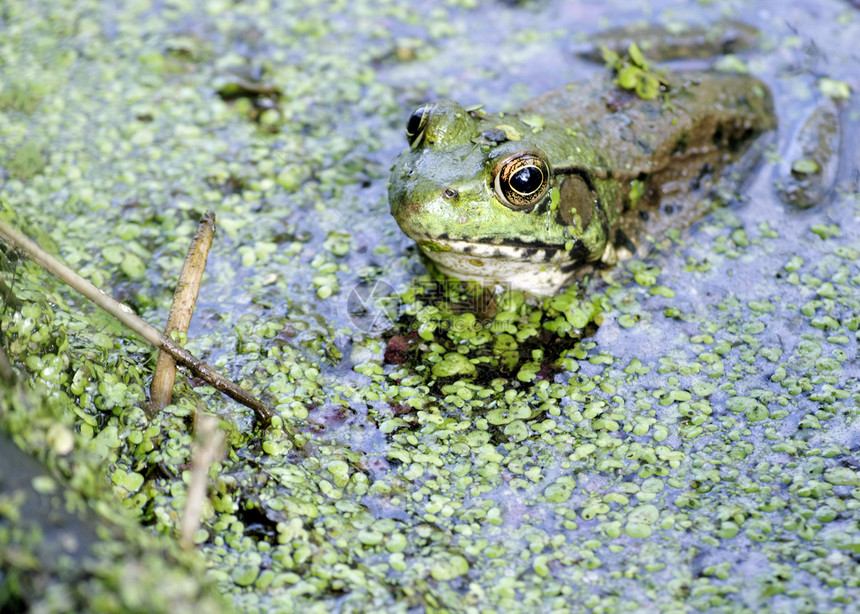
(608, 135)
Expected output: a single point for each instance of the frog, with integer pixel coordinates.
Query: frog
(530, 200)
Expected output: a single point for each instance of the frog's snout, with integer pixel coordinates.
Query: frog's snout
(404, 206)
(404, 209)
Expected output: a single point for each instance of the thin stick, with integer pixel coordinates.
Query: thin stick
(7, 372)
(126, 317)
(206, 450)
(9, 299)
(187, 288)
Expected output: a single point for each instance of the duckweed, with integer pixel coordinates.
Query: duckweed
(614, 446)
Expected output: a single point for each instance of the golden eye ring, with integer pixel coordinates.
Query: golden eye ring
(520, 181)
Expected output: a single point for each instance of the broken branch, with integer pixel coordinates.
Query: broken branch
(161, 388)
(127, 318)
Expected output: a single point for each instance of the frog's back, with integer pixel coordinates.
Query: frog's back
(706, 118)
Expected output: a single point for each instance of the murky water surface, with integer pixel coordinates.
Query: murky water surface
(698, 449)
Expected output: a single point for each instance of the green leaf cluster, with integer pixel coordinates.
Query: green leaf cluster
(635, 72)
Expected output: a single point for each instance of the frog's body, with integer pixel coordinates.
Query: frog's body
(528, 199)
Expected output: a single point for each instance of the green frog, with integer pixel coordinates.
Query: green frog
(531, 199)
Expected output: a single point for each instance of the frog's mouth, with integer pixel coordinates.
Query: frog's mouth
(537, 268)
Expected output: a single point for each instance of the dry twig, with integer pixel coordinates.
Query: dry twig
(206, 450)
(161, 388)
(150, 334)
(7, 373)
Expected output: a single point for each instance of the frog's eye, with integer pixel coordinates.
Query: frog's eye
(521, 180)
(417, 124)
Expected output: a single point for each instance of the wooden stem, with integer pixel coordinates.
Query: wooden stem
(207, 449)
(126, 316)
(184, 299)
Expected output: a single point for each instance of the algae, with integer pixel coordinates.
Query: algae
(676, 433)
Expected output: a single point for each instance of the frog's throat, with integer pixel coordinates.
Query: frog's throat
(539, 270)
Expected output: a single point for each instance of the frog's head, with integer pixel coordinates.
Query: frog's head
(489, 198)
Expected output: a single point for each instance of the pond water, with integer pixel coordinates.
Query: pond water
(696, 450)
